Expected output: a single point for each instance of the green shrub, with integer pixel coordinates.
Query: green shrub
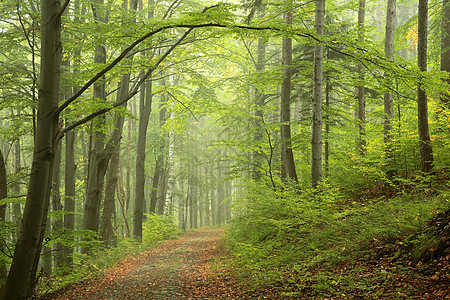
(158, 228)
(277, 231)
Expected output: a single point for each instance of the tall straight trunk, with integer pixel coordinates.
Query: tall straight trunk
(3, 195)
(195, 204)
(361, 88)
(109, 207)
(327, 126)
(159, 163)
(213, 199)
(388, 96)
(144, 116)
(287, 155)
(207, 201)
(259, 111)
(21, 279)
(69, 190)
(170, 171)
(426, 150)
(220, 194)
(162, 190)
(122, 198)
(98, 162)
(17, 211)
(58, 223)
(316, 136)
(445, 48)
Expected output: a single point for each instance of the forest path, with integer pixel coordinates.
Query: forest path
(174, 269)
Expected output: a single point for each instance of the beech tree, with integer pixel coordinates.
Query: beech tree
(426, 150)
(316, 139)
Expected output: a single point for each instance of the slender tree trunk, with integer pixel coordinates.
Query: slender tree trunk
(426, 150)
(98, 162)
(3, 195)
(58, 223)
(388, 96)
(207, 200)
(171, 175)
(159, 163)
(109, 207)
(316, 139)
(259, 112)
(21, 279)
(361, 88)
(17, 211)
(213, 199)
(445, 48)
(287, 155)
(122, 197)
(327, 126)
(69, 191)
(145, 110)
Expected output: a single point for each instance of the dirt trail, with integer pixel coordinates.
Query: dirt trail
(175, 269)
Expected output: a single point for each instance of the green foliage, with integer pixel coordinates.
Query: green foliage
(290, 232)
(158, 228)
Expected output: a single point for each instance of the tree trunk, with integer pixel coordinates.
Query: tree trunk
(159, 163)
(69, 191)
(316, 138)
(426, 150)
(145, 110)
(98, 162)
(3, 195)
(327, 126)
(17, 211)
(58, 223)
(171, 175)
(259, 112)
(361, 88)
(109, 207)
(21, 279)
(388, 96)
(445, 48)
(287, 156)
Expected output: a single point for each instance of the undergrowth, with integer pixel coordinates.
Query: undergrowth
(320, 243)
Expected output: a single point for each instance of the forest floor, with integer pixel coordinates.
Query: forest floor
(191, 267)
(174, 269)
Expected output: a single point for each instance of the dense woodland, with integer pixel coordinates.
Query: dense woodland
(300, 123)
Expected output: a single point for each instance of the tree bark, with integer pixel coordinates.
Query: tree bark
(17, 211)
(388, 96)
(445, 48)
(145, 110)
(362, 144)
(58, 224)
(159, 163)
(287, 155)
(316, 138)
(69, 191)
(259, 112)
(21, 279)
(109, 207)
(426, 150)
(3, 195)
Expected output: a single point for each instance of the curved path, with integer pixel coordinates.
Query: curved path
(175, 269)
